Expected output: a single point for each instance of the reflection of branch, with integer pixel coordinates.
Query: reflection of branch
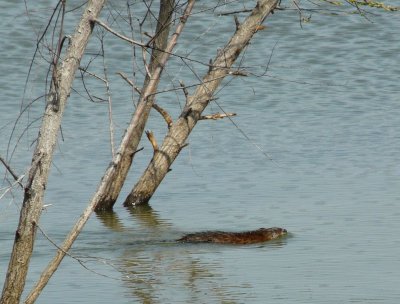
(300, 13)
(147, 216)
(110, 220)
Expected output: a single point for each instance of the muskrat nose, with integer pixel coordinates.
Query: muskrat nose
(284, 230)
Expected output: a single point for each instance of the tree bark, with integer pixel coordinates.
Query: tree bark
(178, 133)
(112, 171)
(138, 122)
(63, 76)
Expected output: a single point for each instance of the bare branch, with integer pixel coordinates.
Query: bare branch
(164, 114)
(15, 176)
(124, 77)
(152, 139)
(127, 149)
(180, 130)
(40, 169)
(237, 23)
(146, 66)
(101, 23)
(216, 116)
(110, 118)
(135, 130)
(184, 89)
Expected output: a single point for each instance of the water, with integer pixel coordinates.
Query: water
(326, 113)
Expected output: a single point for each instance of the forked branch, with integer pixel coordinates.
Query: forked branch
(181, 128)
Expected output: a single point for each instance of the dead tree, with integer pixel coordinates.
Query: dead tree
(126, 151)
(62, 77)
(179, 131)
(135, 130)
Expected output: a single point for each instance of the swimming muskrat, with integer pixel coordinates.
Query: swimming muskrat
(222, 237)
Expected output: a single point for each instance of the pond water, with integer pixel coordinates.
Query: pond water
(327, 114)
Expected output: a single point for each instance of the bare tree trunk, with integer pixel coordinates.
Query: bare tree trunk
(63, 76)
(175, 139)
(126, 150)
(146, 102)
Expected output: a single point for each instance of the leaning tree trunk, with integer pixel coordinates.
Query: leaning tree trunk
(139, 119)
(63, 76)
(179, 131)
(113, 169)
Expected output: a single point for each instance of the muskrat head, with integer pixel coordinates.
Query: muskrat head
(274, 232)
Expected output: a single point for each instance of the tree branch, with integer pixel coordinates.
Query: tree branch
(15, 176)
(127, 149)
(152, 140)
(216, 116)
(164, 114)
(181, 128)
(134, 132)
(43, 154)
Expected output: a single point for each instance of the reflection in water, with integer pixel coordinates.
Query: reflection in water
(156, 269)
(336, 186)
(147, 216)
(110, 220)
(154, 273)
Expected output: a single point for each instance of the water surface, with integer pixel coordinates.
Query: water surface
(327, 113)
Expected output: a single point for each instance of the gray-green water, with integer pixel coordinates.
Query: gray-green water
(327, 113)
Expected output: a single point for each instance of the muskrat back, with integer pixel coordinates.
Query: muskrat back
(246, 237)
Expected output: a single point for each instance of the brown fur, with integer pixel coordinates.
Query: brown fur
(247, 237)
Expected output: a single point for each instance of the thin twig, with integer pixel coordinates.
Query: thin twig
(8, 189)
(124, 77)
(159, 109)
(110, 118)
(184, 89)
(144, 45)
(99, 22)
(14, 175)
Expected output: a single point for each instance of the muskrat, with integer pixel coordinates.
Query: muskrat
(246, 237)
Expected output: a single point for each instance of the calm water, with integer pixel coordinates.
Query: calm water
(327, 113)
